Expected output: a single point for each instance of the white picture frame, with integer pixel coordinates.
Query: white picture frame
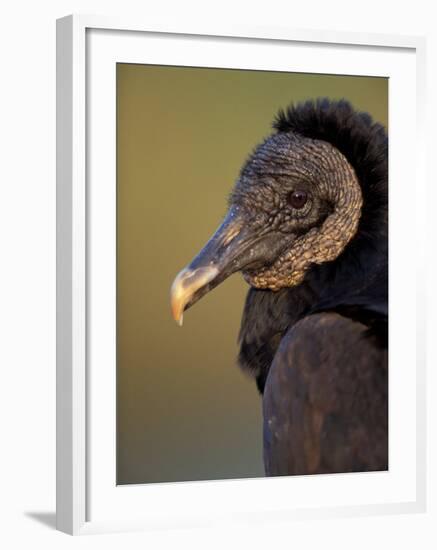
(87, 499)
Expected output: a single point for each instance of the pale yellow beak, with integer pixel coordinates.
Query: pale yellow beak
(185, 285)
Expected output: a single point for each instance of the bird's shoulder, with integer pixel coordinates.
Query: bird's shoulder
(321, 336)
(326, 371)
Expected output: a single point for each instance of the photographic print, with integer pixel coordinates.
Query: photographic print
(252, 274)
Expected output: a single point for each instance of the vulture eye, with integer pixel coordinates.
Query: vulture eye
(297, 199)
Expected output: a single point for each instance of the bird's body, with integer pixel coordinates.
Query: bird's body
(308, 228)
(325, 399)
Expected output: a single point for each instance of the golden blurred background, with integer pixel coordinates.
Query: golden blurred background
(184, 409)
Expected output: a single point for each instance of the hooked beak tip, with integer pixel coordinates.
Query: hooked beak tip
(186, 284)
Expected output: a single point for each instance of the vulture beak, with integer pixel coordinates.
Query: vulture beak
(233, 247)
(217, 260)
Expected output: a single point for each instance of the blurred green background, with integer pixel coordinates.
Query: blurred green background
(184, 409)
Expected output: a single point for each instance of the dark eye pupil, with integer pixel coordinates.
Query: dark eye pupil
(297, 199)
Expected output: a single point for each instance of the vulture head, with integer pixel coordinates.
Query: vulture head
(307, 193)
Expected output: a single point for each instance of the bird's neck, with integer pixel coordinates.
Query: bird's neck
(358, 278)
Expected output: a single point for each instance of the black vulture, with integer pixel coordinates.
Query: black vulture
(307, 226)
